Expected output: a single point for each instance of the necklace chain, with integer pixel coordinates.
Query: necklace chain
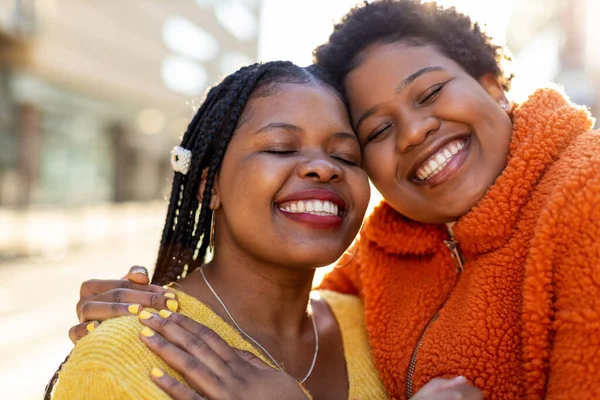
(314, 360)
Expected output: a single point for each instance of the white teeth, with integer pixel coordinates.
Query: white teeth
(317, 207)
(436, 163)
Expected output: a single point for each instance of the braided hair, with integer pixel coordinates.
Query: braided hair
(185, 238)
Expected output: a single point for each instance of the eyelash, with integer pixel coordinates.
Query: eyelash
(286, 152)
(431, 93)
(275, 151)
(345, 161)
(375, 134)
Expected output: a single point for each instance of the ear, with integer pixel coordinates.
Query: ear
(493, 87)
(214, 198)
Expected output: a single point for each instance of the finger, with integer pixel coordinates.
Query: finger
(158, 301)
(208, 336)
(437, 385)
(194, 371)
(138, 274)
(466, 392)
(78, 331)
(192, 344)
(101, 311)
(95, 286)
(251, 359)
(171, 386)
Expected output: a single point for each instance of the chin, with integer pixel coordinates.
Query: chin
(315, 260)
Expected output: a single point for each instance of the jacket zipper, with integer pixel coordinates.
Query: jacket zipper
(460, 263)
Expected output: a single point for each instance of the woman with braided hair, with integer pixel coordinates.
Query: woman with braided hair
(268, 174)
(484, 258)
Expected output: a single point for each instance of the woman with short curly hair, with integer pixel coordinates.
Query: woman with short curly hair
(483, 260)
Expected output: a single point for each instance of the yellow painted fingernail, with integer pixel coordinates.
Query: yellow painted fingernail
(147, 332)
(134, 309)
(170, 295)
(172, 305)
(157, 373)
(165, 314)
(91, 326)
(145, 315)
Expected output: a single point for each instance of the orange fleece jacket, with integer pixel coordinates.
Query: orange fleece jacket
(522, 321)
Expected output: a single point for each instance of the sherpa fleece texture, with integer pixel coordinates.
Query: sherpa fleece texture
(523, 319)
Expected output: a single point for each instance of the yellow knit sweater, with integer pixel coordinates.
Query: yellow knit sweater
(112, 363)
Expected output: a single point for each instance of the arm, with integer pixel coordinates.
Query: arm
(575, 355)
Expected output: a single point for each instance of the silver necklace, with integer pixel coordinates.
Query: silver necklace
(314, 360)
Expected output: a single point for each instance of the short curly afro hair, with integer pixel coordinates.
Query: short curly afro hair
(418, 23)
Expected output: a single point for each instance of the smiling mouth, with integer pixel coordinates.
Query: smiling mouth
(323, 208)
(435, 164)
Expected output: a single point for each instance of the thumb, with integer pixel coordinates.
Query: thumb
(138, 274)
(438, 385)
(252, 359)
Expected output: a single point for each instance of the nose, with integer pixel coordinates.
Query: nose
(415, 130)
(320, 168)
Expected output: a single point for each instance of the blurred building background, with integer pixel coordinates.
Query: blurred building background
(93, 95)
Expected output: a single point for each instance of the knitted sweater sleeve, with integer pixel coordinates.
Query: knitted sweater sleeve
(111, 363)
(345, 276)
(574, 361)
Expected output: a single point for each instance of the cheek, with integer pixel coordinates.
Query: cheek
(361, 192)
(381, 164)
(250, 178)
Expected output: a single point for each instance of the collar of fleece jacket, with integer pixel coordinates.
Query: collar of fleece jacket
(544, 126)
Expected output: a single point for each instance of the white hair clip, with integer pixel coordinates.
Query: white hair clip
(181, 159)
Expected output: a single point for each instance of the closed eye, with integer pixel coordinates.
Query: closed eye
(279, 151)
(430, 94)
(346, 161)
(381, 129)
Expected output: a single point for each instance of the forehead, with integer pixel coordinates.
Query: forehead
(303, 104)
(383, 65)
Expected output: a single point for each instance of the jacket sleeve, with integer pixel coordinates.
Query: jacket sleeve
(575, 355)
(345, 276)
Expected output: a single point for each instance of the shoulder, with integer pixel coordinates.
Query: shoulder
(575, 181)
(110, 342)
(347, 309)
(110, 358)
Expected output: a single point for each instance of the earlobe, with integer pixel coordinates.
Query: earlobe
(493, 87)
(214, 200)
(214, 193)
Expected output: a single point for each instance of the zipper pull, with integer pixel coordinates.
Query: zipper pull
(455, 253)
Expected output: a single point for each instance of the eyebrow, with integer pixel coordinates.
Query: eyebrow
(412, 77)
(295, 129)
(400, 87)
(278, 125)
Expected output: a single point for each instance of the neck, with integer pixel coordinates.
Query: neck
(265, 299)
